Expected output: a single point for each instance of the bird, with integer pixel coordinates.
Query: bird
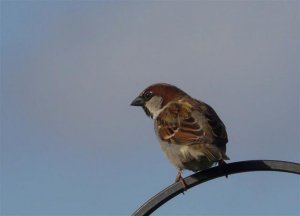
(190, 132)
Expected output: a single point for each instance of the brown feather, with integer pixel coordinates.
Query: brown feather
(190, 132)
(191, 122)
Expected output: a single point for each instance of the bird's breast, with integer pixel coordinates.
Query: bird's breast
(175, 153)
(185, 157)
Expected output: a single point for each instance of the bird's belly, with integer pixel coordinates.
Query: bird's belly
(184, 157)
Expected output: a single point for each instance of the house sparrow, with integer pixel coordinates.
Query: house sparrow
(190, 132)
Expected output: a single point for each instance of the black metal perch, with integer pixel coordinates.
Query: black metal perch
(215, 172)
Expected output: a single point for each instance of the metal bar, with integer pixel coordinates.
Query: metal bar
(215, 172)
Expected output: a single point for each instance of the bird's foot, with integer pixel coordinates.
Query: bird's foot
(181, 179)
(222, 163)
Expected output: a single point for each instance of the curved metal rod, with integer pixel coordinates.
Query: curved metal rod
(215, 172)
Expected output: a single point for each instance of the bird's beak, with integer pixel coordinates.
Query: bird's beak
(138, 102)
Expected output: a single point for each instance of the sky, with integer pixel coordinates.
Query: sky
(72, 145)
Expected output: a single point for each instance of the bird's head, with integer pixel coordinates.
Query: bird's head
(155, 97)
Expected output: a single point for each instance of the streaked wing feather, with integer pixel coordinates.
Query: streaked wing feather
(177, 125)
(217, 127)
(210, 151)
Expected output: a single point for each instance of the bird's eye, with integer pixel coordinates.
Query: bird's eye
(147, 95)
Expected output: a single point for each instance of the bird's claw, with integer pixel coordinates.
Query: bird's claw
(181, 179)
(222, 163)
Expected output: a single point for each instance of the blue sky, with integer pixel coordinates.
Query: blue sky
(70, 142)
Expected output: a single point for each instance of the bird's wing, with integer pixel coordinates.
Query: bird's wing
(193, 123)
(215, 125)
(175, 124)
(216, 129)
